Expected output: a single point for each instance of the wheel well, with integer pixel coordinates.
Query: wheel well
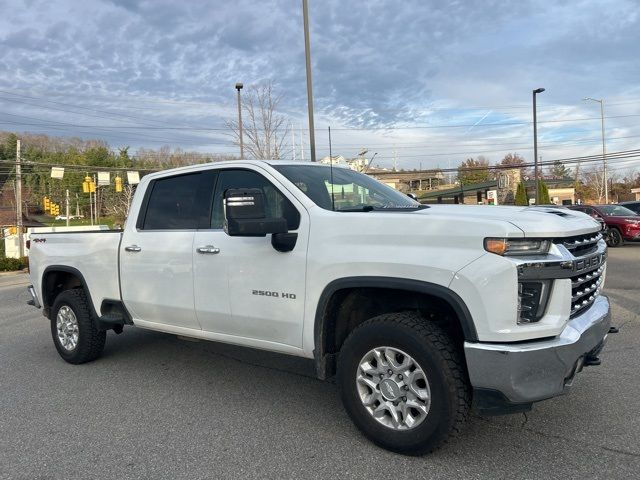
(55, 282)
(347, 308)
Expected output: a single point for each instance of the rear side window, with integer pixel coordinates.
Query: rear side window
(180, 203)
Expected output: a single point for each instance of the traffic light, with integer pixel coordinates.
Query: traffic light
(118, 183)
(88, 186)
(47, 204)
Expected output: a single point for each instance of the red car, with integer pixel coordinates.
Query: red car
(622, 223)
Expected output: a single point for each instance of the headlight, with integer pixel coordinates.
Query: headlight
(517, 246)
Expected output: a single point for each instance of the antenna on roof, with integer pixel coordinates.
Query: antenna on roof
(333, 198)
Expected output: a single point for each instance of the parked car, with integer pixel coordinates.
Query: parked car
(622, 224)
(633, 205)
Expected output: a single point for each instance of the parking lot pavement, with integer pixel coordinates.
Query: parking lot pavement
(157, 406)
(9, 279)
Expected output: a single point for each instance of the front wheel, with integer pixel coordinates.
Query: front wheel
(614, 238)
(403, 383)
(73, 330)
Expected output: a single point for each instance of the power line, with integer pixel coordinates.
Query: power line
(417, 127)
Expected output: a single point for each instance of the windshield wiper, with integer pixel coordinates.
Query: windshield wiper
(369, 208)
(361, 208)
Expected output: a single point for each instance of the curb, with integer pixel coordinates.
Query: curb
(14, 272)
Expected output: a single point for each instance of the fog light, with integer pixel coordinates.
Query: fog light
(532, 300)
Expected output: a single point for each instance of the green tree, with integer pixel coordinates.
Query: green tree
(543, 193)
(521, 195)
(558, 170)
(473, 171)
(515, 161)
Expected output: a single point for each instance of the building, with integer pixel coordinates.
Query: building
(9, 231)
(502, 191)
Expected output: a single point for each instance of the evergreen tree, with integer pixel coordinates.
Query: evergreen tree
(543, 193)
(521, 195)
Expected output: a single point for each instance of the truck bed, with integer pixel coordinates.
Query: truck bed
(93, 254)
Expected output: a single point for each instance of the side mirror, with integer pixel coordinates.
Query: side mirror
(245, 214)
(412, 195)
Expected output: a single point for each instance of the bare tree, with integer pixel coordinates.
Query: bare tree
(593, 180)
(265, 132)
(117, 204)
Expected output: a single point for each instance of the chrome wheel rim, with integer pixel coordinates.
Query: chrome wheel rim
(67, 328)
(393, 388)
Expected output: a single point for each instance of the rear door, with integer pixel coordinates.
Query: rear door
(156, 257)
(265, 288)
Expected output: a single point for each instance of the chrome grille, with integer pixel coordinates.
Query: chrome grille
(580, 245)
(585, 288)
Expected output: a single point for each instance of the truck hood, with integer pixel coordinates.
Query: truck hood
(532, 221)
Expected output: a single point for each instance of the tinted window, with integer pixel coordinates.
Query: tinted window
(616, 211)
(180, 203)
(277, 205)
(633, 206)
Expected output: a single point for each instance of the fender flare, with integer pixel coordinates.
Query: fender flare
(449, 296)
(76, 273)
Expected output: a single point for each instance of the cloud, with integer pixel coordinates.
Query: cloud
(378, 69)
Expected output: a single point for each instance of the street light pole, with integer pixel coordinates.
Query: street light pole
(307, 54)
(535, 142)
(604, 149)
(239, 87)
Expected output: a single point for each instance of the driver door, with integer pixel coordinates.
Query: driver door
(266, 288)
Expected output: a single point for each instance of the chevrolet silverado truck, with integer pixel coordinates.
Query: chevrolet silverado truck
(420, 313)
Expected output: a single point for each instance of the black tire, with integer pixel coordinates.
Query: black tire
(90, 341)
(436, 354)
(614, 238)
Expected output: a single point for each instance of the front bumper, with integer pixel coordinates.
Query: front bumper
(527, 372)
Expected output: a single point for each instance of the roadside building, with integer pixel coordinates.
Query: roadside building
(9, 231)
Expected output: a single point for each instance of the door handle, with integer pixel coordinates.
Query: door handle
(132, 248)
(208, 249)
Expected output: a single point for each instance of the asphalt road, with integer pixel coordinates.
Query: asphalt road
(156, 406)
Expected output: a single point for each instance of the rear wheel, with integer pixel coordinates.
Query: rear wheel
(614, 238)
(403, 383)
(73, 330)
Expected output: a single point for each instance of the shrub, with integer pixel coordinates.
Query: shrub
(12, 264)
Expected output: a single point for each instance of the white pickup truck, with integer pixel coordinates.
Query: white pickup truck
(420, 312)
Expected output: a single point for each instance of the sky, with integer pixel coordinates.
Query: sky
(423, 84)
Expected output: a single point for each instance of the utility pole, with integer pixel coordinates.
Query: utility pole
(307, 51)
(604, 149)
(19, 199)
(239, 87)
(67, 205)
(95, 199)
(604, 156)
(535, 142)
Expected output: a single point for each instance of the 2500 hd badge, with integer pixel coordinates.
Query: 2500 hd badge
(267, 293)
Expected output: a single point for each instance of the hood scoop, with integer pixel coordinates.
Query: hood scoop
(555, 211)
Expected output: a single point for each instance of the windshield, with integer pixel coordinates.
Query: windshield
(352, 191)
(616, 211)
